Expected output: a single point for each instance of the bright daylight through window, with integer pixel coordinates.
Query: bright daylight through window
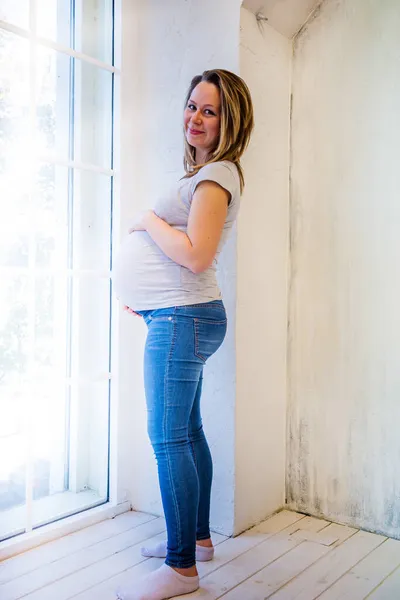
(56, 195)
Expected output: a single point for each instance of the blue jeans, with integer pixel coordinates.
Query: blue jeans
(179, 342)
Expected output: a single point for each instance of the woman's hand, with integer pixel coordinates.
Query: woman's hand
(132, 312)
(141, 221)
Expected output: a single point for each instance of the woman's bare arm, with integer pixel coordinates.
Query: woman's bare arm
(195, 249)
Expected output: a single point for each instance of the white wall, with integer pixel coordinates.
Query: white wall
(344, 442)
(286, 16)
(164, 45)
(262, 276)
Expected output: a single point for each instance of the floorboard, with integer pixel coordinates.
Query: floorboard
(287, 557)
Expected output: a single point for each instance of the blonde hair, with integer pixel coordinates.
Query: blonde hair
(236, 126)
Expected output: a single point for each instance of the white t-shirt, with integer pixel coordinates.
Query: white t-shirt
(144, 278)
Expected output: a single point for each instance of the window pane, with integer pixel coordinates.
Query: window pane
(98, 404)
(15, 12)
(14, 243)
(12, 471)
(13, 330)
(37, 224)
(50, 219)
(67, 484)
(93, 28)
(50, 328)
(13, 386)
(93, 114)
(88, 464)
(92, 220)
(49, 449)
(90, 330)
(15, 149)
(53, 20)
(53, 102)
(47, 453)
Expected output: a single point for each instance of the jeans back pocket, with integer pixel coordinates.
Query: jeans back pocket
(208, 337)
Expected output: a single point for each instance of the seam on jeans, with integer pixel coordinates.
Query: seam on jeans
(164, 435)
(195, 464)
(196, 342)
(190, 441)
(204, 305)
(193, 452)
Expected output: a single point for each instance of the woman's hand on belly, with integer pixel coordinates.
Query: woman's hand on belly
(132, 312)
(140, 221)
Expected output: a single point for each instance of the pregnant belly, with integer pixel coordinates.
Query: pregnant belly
(141, 271)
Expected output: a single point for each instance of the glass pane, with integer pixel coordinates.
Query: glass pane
(50, 219)
(98, 409)
(93, 25)
(47, 452)
(90, 327)
(12, 465)
(13, 379)
(50, 328)
(53, 102)
(15, 12)
(14, 243)
(37, 225)
(15, 149)
(93, 114)
(53, 20)
(88, 466)
(92, 220)
(13, 331)
(65, 487)
(94, 28)
(49, 448)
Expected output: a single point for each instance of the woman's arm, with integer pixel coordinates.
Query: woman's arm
(195, 249)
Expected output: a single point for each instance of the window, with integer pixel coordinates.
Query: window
(56, 196)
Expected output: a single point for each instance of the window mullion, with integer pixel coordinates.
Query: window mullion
(70, 279)
(58, 47)
(30, 397)
(75, 164)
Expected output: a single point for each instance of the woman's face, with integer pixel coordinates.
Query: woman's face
(202, 119)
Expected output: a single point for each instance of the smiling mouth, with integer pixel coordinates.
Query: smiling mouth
(194, 131)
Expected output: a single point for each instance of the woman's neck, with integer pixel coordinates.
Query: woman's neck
(201, 157)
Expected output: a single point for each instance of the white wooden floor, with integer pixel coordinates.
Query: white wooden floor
(289, 556)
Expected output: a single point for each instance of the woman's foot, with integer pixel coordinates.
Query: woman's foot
(205, 543)
(191, 572)
(162, 584)
(204, 550)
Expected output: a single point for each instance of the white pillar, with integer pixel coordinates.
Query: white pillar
(262, 278)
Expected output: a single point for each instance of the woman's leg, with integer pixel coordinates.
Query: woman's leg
(203, 461)
(171, 381)
(178, 344)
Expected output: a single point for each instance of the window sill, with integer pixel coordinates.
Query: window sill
(57, 529)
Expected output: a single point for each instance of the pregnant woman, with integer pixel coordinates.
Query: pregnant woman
(166, 273)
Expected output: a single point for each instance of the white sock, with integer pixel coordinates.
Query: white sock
(162, 584)
(203, 554)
